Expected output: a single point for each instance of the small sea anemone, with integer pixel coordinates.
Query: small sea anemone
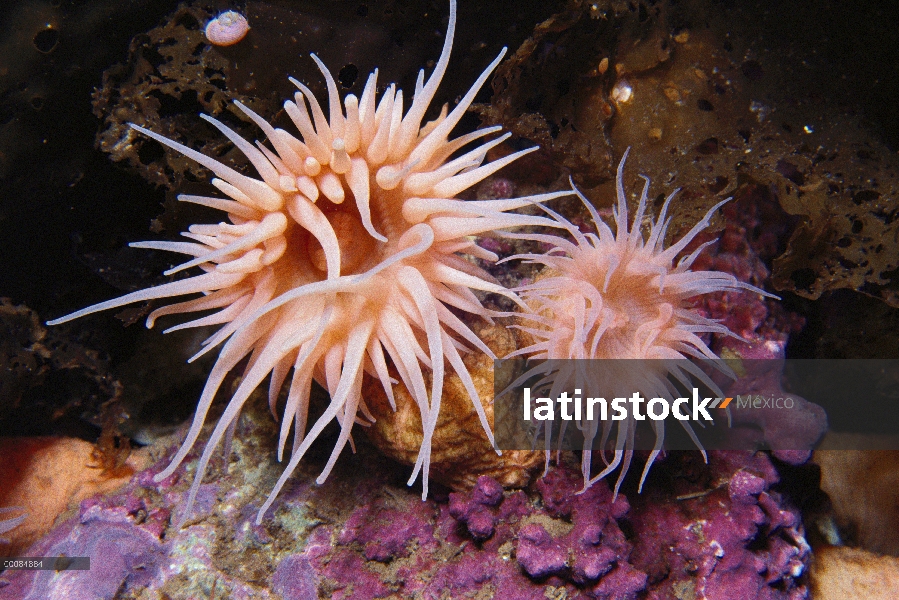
(343, 258)
(622, 295)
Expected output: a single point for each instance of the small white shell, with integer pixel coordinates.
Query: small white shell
(226, 29)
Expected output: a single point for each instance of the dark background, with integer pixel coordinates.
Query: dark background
(67, 212)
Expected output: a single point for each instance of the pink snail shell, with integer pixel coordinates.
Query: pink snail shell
(226, 29)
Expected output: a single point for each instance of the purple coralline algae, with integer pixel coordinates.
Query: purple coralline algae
(790, 439)
(295, 579)
(738, 538)
(754, 230)
(728, 535)
(594, 553)
(717, 531)
(478, 510)
(133, 547)
(122, 540)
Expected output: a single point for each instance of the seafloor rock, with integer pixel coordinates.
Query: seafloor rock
(755, 228)
(123, 555)
(790, 436)
(839, 573)
(720, 533)
(863, 487)
(45, 475)
(717, 529)
(705, 96)
(593, 553)
(48, 380)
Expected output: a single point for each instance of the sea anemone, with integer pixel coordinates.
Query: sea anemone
(343, 258)
(622, 295)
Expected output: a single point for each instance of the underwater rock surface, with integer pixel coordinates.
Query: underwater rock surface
(709, 102)
(815, 192)
(718, 529)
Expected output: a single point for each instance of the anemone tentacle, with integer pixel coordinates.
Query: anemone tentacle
(621, 295)
(340, 258)
(12, 522)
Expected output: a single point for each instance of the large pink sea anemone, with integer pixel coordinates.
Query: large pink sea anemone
(623, 295)
(343, 257)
